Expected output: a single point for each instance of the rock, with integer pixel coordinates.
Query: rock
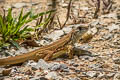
(116, 60)
(111, 15)
(107, 36)
(113, 27)
(42, 64)
(6, 79)
(86, 57)
(76, 65)
(84, 8)
(110, 75)
(57, 66)
(30, 63)
(51, 75)
(117, 76)
(44, 42)
(75, 78)
(91, 74)
(77, 71)
(95, 66)
(6, 7)
(53, 35)
(94, 23)
(19, 5)
(67, 29)
(21, 50)
(84, 46)
(63, 66)
(38, 78)
(101, 75)
(54, 66)
(64, 5)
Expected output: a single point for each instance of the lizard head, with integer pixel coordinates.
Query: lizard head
(79, 31)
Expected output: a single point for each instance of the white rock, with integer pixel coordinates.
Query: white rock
(111, 15)
(91, 73)
(6, 7)
(84, 8)
(42, 64)
(64, 5)
(19, 5)
(67, 29)
(113, 27)
(44, 42)
(51, 75)
(55, 35)
(117, 76)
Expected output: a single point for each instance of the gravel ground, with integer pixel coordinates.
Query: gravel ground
(105, 44)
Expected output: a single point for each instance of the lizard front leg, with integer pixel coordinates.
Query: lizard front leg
(70, 51)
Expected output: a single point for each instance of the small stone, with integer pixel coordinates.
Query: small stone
(95, 66)
(75, 65)
(51, 75)
(74, 79)
(44, 42)
(66, 70)
(53, 35)
(19, 5)
(111, 15)
(84, 8)
(54, 66)
(6, 79)
(63, 66)
(107, 36)
(42, 64)
(113, 27)
(77, 71)
(6, 7)
(84, 46)
(116, 61)
(64, 5)
(67, 29)
(101, 75)
(91, 74)
(110, 75)
(30, 63)
(117, 76)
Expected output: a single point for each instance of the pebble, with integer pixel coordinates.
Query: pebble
(51, 75)
(19, 5)
(64, 5)
(38, 78)
(54, 66)
(42, 64)
(67, 29)
(116, 60)
(84, 46)
(117, 76)
(101, 75)
(91, 74)
(57, 66)
(107, 36)
(95, 66)
(113, 27)
(53, 35)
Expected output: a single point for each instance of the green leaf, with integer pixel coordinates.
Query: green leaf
(15, 44)
(9, 16)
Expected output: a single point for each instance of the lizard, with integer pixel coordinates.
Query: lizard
(46, 51)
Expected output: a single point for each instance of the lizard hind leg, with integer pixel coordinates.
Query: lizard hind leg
(48, 55)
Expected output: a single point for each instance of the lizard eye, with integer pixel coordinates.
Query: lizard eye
(79, 28)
